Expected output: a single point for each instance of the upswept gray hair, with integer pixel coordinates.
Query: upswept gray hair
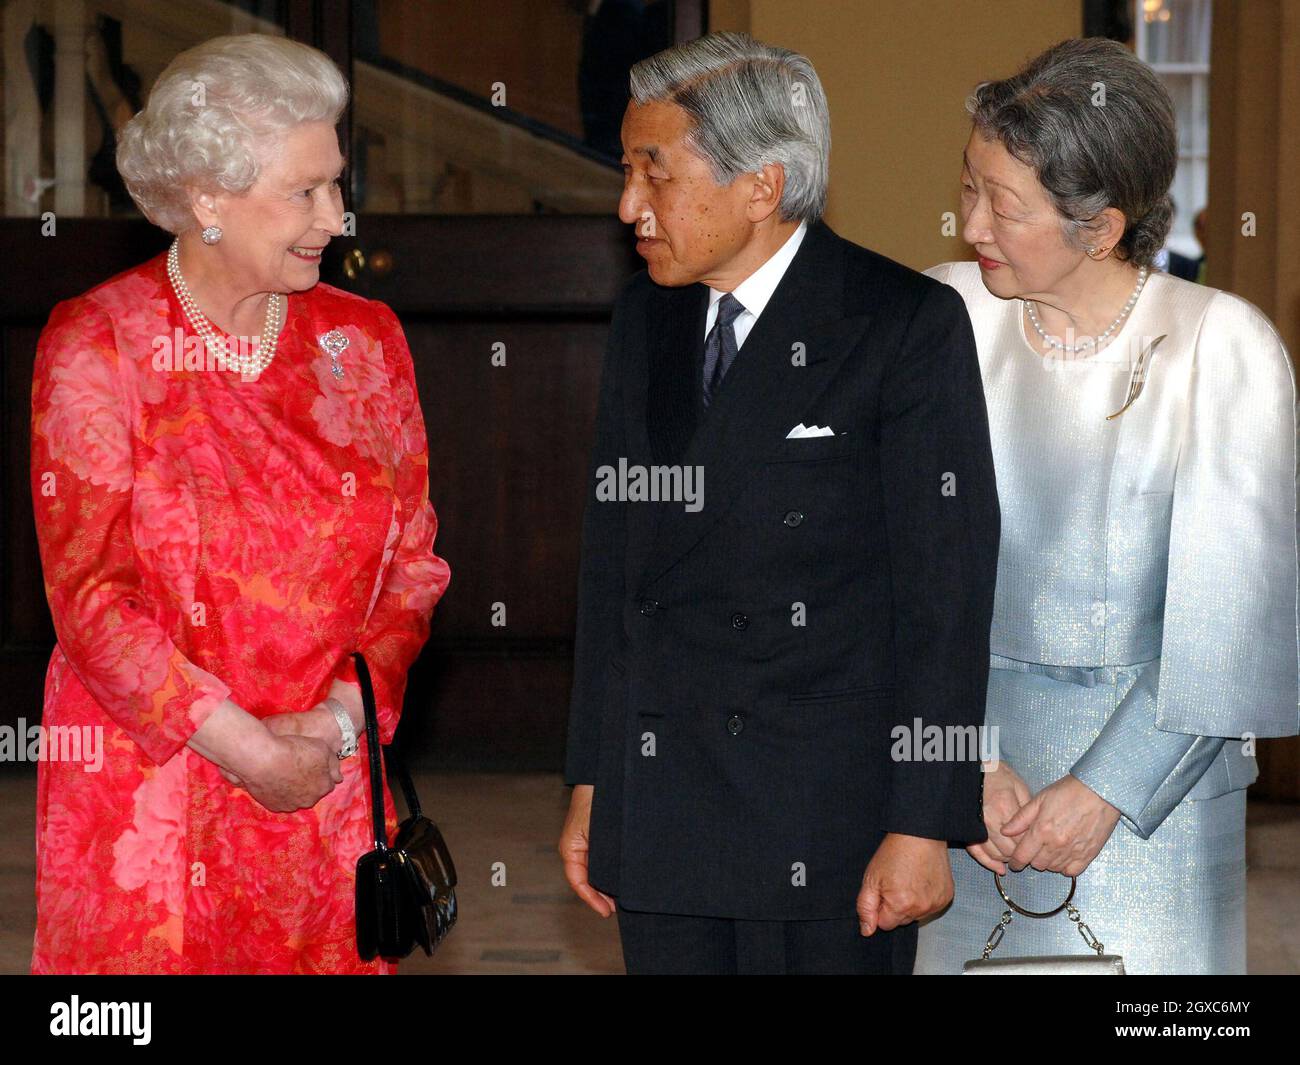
(1090, 152)
(750, 104)
(215, 115)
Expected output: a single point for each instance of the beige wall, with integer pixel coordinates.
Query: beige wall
(1255, 160)
(1255, 170)
(896, 73)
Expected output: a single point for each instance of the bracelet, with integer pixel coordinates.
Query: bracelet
(346, 727)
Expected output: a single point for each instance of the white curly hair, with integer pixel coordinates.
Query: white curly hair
(216, 114)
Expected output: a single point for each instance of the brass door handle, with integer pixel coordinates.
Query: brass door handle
(354, 262)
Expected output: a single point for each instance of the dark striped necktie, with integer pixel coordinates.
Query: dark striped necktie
(720, 345)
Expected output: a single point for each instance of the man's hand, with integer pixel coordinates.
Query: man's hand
(907, 878)
(1062, 828)
(574, 846)
(1004, 794)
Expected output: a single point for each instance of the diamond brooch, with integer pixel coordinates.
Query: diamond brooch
(334, 343)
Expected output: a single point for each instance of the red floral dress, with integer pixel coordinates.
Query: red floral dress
(205, 537)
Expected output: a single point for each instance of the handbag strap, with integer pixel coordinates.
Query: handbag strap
(396, 767)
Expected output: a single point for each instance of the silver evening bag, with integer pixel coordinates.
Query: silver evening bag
(1099, 963)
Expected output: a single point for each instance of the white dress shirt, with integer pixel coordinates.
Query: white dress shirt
(754, 292)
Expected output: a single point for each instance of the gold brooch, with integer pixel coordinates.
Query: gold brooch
(1139, 377)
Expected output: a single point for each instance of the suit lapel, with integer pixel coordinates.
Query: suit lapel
(763, 395)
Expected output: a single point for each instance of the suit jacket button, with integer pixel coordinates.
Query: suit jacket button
(794, 518)
(739, 621)
(648, 607)
(735, 724)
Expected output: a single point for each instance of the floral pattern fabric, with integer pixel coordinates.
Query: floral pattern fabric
(203, 537)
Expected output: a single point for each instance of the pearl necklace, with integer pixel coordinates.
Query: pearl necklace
(1071, 349)
(244, 363)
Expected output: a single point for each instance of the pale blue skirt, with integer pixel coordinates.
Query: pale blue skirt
(1174, 903)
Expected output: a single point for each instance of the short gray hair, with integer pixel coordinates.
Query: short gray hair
(750, 104)
(215, 112)
(1089, 156)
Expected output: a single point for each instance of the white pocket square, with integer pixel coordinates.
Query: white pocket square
(801, 431)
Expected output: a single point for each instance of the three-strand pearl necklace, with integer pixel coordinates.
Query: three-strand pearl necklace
(1071, 349)
(245, 363)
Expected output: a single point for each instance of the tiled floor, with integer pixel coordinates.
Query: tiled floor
(506, 825)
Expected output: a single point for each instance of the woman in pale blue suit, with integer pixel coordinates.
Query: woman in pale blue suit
(1144, 435)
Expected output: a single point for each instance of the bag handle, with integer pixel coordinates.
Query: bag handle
(1071, 911)
(396, 768)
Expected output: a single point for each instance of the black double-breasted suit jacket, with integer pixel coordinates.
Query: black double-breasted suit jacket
(743, 661)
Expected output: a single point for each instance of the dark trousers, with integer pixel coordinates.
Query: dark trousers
(662, 944)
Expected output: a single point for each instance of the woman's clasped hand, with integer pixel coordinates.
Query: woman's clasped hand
(1061, 829)
(297, 763)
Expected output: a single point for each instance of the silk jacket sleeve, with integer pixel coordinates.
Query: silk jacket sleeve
(416, 578)
(1139, 769)
(82, 483)
(1228, 666)
(1229, 650)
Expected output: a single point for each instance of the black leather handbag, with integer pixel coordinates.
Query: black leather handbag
(406, 893)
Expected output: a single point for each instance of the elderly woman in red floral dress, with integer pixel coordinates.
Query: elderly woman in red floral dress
(230, 475)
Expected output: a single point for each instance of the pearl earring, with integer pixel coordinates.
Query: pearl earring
(211, 234)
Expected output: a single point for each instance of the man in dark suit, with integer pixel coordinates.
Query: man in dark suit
(789, 553)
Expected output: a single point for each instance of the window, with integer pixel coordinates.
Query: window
(1173, 36)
